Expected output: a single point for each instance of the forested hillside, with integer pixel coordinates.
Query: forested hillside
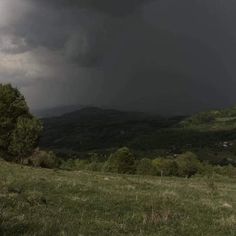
(95, 128)
(210, 133)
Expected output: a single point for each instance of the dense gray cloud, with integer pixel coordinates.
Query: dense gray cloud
(111, 7)
(164, 56)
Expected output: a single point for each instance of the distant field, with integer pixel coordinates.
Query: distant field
(53, 202)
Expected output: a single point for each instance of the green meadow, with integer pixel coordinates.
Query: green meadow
(35, 201)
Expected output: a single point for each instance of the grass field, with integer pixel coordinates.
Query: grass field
(54, 202)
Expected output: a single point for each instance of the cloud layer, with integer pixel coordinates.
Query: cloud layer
(164, 56)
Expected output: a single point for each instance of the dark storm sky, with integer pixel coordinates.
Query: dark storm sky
(163, 56)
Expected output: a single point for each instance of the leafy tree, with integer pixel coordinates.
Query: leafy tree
(19, 130)
(188, 164)
(122, 161)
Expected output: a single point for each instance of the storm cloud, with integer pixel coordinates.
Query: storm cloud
(165, 56)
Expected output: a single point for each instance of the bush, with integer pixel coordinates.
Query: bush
(44, 159)
(94, 166)
(229, 170)
(165, 167)
(188, 164)
(71, 164)
(24, 137)
(4, 156)
(122, 161)
(145, 167)
(68, 164)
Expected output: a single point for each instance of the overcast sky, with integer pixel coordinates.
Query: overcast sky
(163, 56)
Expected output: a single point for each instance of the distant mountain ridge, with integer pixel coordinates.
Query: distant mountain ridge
(93, 128)
(56, 111)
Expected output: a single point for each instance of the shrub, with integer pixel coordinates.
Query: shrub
(71, 164)
(24, 137)
(44, 159)
(93, 156)
(229, 170)
(95, 166)
(165, 167)
(68, 164)
(122, 161)
(80, 164)
(4, 156)
(145, 167)
(206, 170)
(188, 164)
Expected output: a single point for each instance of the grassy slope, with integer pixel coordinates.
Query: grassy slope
(215, 120)
(50, 202)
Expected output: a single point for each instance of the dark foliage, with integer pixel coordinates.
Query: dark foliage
(19, 130)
